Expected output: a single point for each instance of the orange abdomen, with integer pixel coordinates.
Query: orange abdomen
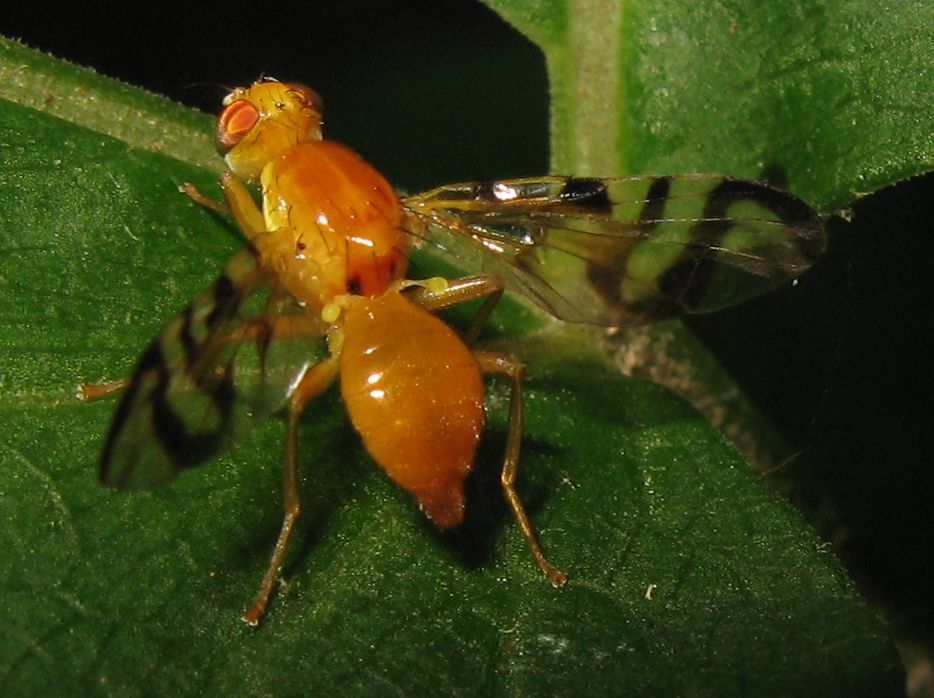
(414, 392)
(341, 217)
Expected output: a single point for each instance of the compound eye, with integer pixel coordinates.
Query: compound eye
(237, 119)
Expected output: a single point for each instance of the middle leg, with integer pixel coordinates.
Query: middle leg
(459, 291)
(315, 382)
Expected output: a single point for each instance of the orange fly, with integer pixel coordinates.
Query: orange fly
(320, 293)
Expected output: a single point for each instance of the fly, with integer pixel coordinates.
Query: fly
(320, 294)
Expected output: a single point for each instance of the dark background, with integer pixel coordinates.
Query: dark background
(435, 92)
(430, 92)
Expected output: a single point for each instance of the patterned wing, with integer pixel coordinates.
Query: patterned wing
(617, 251)
(226, 362)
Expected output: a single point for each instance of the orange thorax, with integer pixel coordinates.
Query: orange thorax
(333, 222)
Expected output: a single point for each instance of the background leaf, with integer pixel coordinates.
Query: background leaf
(142, 593)
(835, 94)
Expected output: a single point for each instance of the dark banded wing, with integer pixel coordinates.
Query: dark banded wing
(616, 251)
(227, 361)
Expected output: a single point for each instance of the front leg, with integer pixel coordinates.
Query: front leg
(239, 204)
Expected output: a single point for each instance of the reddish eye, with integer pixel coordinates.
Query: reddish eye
(235, 122)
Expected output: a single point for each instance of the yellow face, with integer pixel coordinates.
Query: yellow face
(263, 120)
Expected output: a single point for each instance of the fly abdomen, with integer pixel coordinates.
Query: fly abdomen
(414, 393)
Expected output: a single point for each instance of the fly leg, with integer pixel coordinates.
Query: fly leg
(496, 362)
(459, 291)
(246, 214)
(192, 192)
(95, 391)
(284, 327)
(314, 382)
(240, 204)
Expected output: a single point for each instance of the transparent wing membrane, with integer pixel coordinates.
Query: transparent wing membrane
(624, 250)
(222, 365)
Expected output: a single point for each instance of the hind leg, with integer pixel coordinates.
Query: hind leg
(495, 362)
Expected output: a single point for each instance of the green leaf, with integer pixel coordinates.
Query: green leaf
(687, 577)
(836, 94)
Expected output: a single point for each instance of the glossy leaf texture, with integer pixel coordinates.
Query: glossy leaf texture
(687, 577)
